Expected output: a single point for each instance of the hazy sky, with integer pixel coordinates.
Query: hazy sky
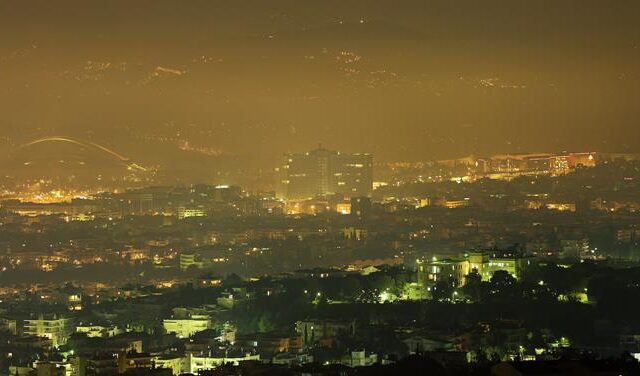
(255, 79)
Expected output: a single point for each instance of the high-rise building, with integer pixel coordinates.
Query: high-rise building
(323, 172)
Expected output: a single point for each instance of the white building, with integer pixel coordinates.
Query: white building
(185, 328)
(200, 363)
(57, 329)
(99, 331)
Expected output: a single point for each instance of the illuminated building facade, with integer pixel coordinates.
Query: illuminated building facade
(453, 270)
(57, 329)
(195, 364)
(189, 260)
(487, 263)
(484, 263)
(184, 212)
(323, 172)
(185, 328)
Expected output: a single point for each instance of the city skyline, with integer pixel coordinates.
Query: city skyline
(328, 187)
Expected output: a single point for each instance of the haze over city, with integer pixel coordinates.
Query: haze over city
(416, 80)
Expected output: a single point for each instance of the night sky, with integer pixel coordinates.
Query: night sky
(405, 80)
